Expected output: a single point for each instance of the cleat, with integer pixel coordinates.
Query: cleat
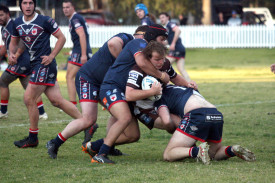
(52, 149)
(116, 152)
(243, 153)
(3, 115)
(87, 149)
(89, 132)
(26, 142)
(203, 155)
(101, 159)
(43, 116)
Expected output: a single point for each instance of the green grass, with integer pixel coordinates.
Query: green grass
(248, 108)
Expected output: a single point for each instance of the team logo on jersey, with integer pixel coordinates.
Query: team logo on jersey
(113, 97)
(27, 38)
(27, 31)
(34, 31)
(20, 32)
(5, 35)
(55, 25)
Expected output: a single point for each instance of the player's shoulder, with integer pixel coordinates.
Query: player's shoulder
(140, 43)
(136, 68)
(18, 20)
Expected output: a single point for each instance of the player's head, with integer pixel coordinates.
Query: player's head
(68, 8)
(27, 6)
(157, 33)
(4, 15)
(141, 30)
(155, 52)
(164, 18)
(141, 10)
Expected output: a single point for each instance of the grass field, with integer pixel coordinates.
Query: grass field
(238, 81)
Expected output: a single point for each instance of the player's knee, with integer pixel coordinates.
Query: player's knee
(88, 121)
(56, 103)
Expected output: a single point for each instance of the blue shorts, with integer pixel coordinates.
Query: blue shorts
(75, 58)
(18, 70)
(177, 54)
(204, 124)
(44, 75)
(86, 90)
(111, 96)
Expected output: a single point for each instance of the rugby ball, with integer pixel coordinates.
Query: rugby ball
(147, 83)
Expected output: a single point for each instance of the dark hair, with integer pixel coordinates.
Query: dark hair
(5, 9)
(166, 14)
(152, 17)
(154, 46)
(142, 28)
(68, 1)
(20, 4)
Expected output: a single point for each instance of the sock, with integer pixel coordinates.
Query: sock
(59, 140)
(33, 134)
(74, 102)
(104, 149)
(4, 106)
(97, 144)
(40, 107)
(228, 151)
(194, 151)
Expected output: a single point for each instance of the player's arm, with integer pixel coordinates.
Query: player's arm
(177, 31)
(133, 94)
(82, 39)
(115, 46)
(180, 81)
(46, 60)
(3, 51)
(21, 48)
(12, 50)
(149, 69)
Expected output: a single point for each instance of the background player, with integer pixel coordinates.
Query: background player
(177, 50)
(20, 70)
(272, 68)
(144, 16)
(81, 51)
(35, 31)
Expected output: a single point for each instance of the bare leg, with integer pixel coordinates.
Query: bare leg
(70, 78)
(180, 66)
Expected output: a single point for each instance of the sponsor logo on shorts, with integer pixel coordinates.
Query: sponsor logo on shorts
(108, 92)
(104, 101)
(182, 126)
(211, 118)
(84, 95)
(41, 79)
(115, 90)
(113, 97)
(51, 75)
(194, 128)
(95, 93)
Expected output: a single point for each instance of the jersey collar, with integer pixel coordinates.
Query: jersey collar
(8, 23)
(28, 22)
(72, 16)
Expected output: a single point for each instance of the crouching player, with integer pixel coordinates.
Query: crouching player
(201, 121)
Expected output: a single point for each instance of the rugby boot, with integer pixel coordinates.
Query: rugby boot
(52, 149)
(88, 149)
(243, 153)
(203, 155)
(89, 132)
(3, 115)
(26, 142)
(116, 152)
(43, 116)
(102, 159)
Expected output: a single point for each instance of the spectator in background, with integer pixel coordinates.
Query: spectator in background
(182, 19)
(272, 67)
(144, 16)
(176, 49)
(220, 20)
(234, 20)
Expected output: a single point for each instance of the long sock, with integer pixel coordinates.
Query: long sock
(40, 107)
(104, 149)
(59, 140)
(194, 151)
(33, 134)
(228, 151)
(4, 106)
(97, 144)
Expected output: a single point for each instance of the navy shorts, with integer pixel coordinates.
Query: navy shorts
(111, 96)
(18, 70)
(44, 75)
(177, 54)
(204, 124)
(86, 90)
(146, 116)
(75, 58)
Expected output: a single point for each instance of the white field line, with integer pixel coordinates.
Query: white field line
(101, 117)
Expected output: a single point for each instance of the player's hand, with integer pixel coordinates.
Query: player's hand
(165, 77)
(12, 59)
(46, 60)
(156, 88)
(172, 47)
(83, 59)
(192, 84)
(272, 67)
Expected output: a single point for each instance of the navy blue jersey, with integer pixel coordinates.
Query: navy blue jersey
(76, 22)
(169, 27)
(175, 98)
(36, 35)
(146, 21)
(24, 59)
(118, 73)
(98, 65)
